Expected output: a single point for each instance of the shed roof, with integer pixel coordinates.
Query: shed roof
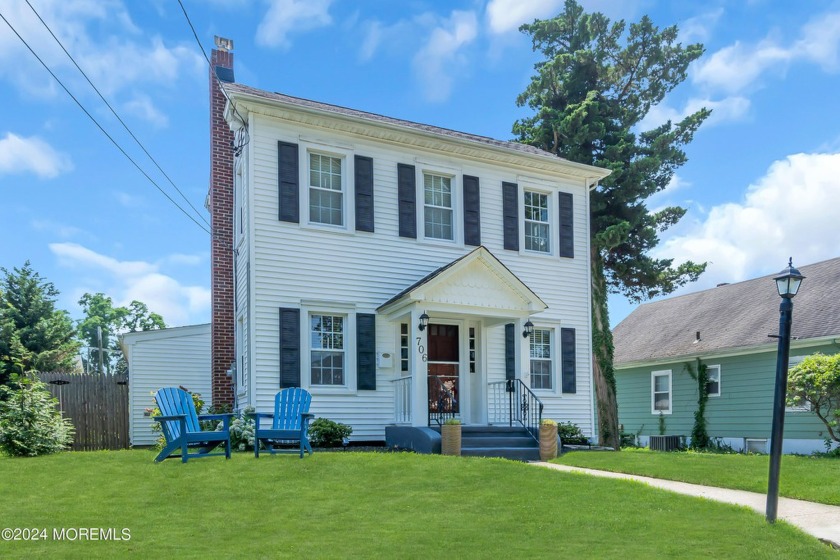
(728, 317)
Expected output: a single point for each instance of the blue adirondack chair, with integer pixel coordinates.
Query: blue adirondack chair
(182, 430)
(290, 421)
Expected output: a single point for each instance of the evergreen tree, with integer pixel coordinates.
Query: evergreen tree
(34, 335)
(597, 82)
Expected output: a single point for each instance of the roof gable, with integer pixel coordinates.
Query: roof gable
(730, 316)
(478, 280)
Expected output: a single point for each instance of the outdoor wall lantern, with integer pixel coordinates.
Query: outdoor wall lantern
(787, 283)
(424, 322)
(529, 329)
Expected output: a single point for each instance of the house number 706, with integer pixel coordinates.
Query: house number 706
(421, 349)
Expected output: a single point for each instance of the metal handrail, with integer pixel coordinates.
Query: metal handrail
(444, 402)
(523, 406)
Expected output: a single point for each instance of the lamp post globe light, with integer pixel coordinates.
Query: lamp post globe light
(787, 283)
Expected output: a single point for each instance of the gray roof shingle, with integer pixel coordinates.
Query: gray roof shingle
(729, 316)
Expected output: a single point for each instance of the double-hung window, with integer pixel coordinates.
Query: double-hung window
(437, 207)
(541, 359)
(660, 390)
(713, 381)
(537, 222)
(327, 347)
(326, 189)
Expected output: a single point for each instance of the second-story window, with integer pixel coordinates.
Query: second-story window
(326, 191)
(537, 225)
(437, 209)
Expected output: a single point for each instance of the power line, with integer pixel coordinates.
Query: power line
(102, 97)
(238, 148)
(100, 126)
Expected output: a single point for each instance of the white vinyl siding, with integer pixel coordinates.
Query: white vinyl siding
(437, 207)
(660, 392)
(326, 190)
(290, 262)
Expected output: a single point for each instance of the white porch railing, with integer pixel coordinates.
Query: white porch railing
(402, 400)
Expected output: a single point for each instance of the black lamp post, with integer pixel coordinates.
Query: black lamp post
(787, 282)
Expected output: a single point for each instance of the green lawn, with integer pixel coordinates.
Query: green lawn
(808, 478)
(368, 505)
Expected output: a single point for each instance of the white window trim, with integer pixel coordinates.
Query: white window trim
(349, 386)
(239, 200)
(554, 348)
(455, 177)
(347, 170)
(719, 380)
(795, 360)
(526, 185)
(653, 376)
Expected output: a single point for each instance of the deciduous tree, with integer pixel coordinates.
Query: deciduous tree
(597, 81)
(816, 381)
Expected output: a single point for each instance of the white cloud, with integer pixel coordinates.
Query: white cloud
(285, 16)
(143, 107)
(439, 59)
(125, 281)
(699, 28)
(725, 110)
(55, 228)
(788, 212)
(31, 155)
(734, 68)
(104, 41)
(504, 16)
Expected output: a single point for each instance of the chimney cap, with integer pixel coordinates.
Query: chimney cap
(223, 44)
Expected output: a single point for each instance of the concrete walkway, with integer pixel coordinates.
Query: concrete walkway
(819, 520)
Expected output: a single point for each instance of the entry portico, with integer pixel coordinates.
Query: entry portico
(464, 305)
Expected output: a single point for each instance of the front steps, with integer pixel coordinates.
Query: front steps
(498, 441)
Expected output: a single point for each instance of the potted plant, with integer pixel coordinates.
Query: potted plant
(450, 437)
(548, 439)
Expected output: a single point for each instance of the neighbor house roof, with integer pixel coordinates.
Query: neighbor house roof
(239, 90)
(731, 316)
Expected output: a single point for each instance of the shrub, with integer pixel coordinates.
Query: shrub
(570, 434)
(242, 430)
(326, 433)
(30, 423)
(452, 422)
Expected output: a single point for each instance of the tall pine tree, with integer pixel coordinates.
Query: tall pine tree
(34, 335)
(598, 81)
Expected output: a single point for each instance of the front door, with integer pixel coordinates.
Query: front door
(443, 366)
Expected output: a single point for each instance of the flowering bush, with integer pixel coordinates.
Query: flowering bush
(30, 423)
(242, 430)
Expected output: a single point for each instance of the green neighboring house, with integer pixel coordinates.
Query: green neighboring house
(726, 327)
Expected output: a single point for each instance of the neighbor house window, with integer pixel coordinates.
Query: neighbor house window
(327, 344)
(404, 347)
(541, 357)
(660, 392)
(713, 381)
(437, 206)
(326, 192)
(805, 406)
(537, 227)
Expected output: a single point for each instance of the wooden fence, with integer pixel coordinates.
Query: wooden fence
(97, 405)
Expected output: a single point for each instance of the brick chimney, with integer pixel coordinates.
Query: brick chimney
(220, 205)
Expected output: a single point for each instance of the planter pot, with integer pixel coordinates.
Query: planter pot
(548, 441)
(450, 439)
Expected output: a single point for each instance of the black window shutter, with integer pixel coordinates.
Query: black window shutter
(510, 215)
(289, 347)
(566, 247)
(472, 211)
(510, 351)
(366, 351)
(568, 360)
(407, 200)
(364, 193)
(287, 166)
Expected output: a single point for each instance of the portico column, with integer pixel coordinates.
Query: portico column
(419, 377)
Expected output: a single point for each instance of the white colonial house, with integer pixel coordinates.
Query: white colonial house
(400, 272)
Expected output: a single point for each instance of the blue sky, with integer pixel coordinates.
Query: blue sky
(762, 182)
